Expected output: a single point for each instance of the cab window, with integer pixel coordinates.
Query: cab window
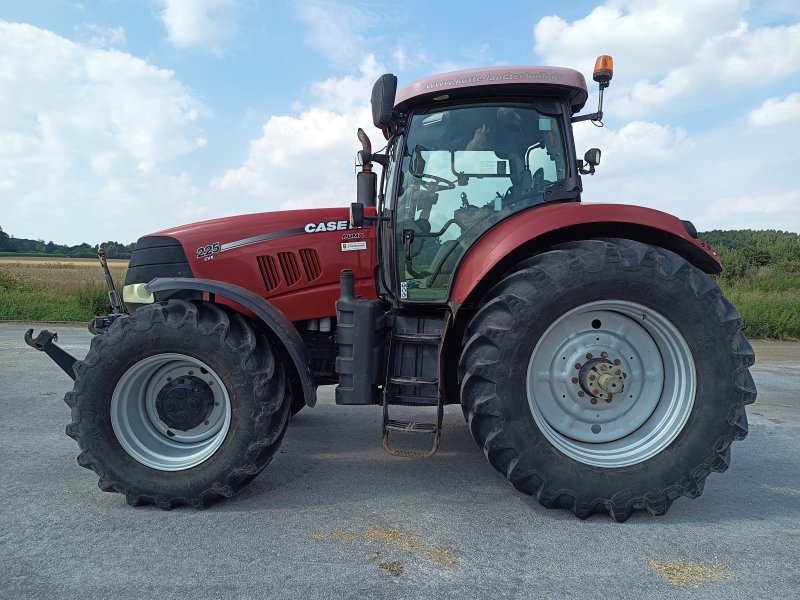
(464, 169)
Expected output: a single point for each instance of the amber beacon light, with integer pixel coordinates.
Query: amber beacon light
(603, 69)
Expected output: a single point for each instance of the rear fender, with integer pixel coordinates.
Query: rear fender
(538, 229)
(268, 315)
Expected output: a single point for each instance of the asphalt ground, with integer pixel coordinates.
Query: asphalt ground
(333, 516)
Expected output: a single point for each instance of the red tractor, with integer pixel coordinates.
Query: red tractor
(596, 361)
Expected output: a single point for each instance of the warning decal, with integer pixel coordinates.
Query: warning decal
(347, 246)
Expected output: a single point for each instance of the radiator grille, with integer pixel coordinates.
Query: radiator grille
(289, 267)
(311, 265)
(269, 271)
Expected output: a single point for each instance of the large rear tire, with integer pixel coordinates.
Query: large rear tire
(607, 376)
(179, 403)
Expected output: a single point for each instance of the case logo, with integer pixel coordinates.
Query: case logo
(327, 226)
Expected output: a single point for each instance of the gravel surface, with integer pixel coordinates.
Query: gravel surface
(333, 516)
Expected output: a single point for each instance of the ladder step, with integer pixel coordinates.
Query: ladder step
(403, 380)
(398, 400)
(410, 426)
(418, 338)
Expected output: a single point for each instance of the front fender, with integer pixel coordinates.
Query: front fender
(537, 229)
(270, 316)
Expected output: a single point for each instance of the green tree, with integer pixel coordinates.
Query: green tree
(5, 242)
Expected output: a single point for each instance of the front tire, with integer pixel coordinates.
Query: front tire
(179, 403)
(655, 331)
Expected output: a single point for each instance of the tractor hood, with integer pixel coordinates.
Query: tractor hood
(272, 254)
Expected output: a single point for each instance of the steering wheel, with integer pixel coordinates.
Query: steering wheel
(442, 183)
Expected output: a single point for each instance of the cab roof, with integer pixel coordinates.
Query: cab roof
(495, 81)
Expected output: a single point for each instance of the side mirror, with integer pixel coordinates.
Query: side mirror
(356, 215)
(383, 94)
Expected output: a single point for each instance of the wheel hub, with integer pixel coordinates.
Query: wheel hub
(184, 403)
(601, 378)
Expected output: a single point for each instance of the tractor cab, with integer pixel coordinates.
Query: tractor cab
(465, 151)
(458, 171)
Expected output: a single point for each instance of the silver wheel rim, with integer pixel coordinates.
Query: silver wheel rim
(656, 367)
(140, 430)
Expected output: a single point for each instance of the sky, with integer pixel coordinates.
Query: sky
(119, 118)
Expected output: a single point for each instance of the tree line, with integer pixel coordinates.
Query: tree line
(756, 254)
(112, 249)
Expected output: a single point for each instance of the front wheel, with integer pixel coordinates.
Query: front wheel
(607, 376)
(179, 403)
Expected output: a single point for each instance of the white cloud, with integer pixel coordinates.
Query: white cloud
(669, 50)
(684, 55)
(635, 146)
(729, 178)
(784, 202)
(776, 111)
(645, 37)
(336, 30)
(209, 23)
(86, 131)
(307, 160)
(99, 36)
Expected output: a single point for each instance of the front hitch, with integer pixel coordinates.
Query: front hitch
(44, 342)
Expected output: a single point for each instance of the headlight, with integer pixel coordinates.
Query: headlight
(137, 293)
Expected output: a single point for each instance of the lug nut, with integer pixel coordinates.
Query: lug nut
(578, 365)
(589, 356)
(594, 400)
(592, 377)
(617, 371)
(604, 355)
(595, 392)
(608, 400)
(206, 423)
(191, 372)
(574, 380)
(616, 361)
(581, 394)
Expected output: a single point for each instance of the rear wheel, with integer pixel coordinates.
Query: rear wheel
(607, 376)
(182, 403)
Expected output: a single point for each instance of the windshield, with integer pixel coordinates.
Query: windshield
(464, 169)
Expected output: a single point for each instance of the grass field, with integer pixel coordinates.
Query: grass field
(64, 289)
(42, 289)
(770, 307)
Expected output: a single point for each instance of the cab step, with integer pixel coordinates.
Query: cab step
(410, 426)
(418, 338)
(412, 378)
(400, 426)
(408, 380)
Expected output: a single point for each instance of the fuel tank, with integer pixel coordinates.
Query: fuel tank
(292, 258)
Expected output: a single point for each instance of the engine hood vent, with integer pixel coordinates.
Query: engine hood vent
(286, 269)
